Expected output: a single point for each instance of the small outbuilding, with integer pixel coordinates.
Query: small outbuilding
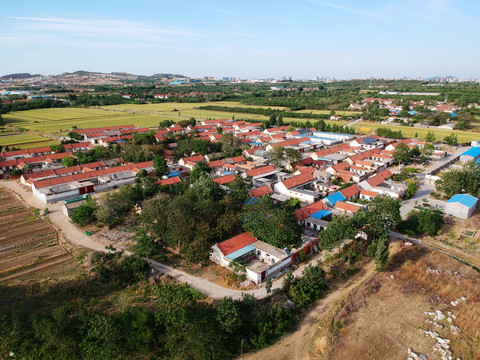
(461, 206)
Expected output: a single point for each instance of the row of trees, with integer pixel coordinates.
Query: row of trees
(460, 181)
(383, 214)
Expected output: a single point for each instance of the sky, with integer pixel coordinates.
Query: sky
(243, 38)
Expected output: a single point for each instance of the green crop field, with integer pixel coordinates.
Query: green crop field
(148, 115)
(62, 119)
(187, 110)
(407, 131)
(25, 140)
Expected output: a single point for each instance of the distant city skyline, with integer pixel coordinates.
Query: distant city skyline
(344, 39)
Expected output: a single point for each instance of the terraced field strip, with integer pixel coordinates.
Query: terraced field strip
(26, 241)
(24, 139)
(408, 131)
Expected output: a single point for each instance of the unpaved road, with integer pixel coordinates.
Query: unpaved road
(297, 345)
(78, 238)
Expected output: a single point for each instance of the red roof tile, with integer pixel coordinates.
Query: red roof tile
(260, 170)
(340, 205)
(224, 179)
(350, 191)
(306, 211)
(170, 181)
(261, 191)
(298, 180)
(236, 243)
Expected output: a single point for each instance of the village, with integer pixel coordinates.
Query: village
(327, 174)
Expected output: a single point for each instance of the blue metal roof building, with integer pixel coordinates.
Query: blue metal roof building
(470, 154)
(321, 214)
(461, 205)
(332, 199)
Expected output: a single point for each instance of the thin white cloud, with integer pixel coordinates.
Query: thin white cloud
(107, 28)
(364, 13)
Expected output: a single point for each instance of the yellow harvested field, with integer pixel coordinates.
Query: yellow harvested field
(407, 131)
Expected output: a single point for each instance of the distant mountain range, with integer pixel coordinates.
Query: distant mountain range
(17, 76)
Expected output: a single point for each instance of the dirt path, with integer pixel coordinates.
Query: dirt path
(69, 231)
(295, 346)
(75, 236)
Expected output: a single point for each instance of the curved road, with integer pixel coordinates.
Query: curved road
(77, 237)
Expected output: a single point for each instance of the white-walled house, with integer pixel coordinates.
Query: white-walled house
(262, 260)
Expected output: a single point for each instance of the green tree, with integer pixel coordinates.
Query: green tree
(230, 144)
(145, 245)
(268, 285)
(402, 153)
(160, 165)
(451, 139)
(430, 137)
(201, 168)
(451, 182)
(144, 139)
(113, 205)
(277, 155)
(428, 149)
(69, 161)
(381, 252)
(85, 213)
(340, 228)
(272, 224)
(228, 315)
(293, 156)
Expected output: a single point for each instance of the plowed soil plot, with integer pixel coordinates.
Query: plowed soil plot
(26, 241)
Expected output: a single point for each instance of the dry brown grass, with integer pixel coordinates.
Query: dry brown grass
(383, 319)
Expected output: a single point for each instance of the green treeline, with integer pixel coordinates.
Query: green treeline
(266, 112)
(169, 322)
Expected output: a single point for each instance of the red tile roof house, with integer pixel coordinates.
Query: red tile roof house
(347, 208)
(190, 161)
(262, 260)
(70, 186)
(261, 191)
(368, 195)
(351, 192)
(223, 180)
(297, 187)
(170, 181)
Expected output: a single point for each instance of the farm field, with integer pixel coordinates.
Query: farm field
(149, 115)
(26, 241)
(29, 140)
(62, 119)
(407, 131)
(169, 106)
(337, 112)
(187, 110)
